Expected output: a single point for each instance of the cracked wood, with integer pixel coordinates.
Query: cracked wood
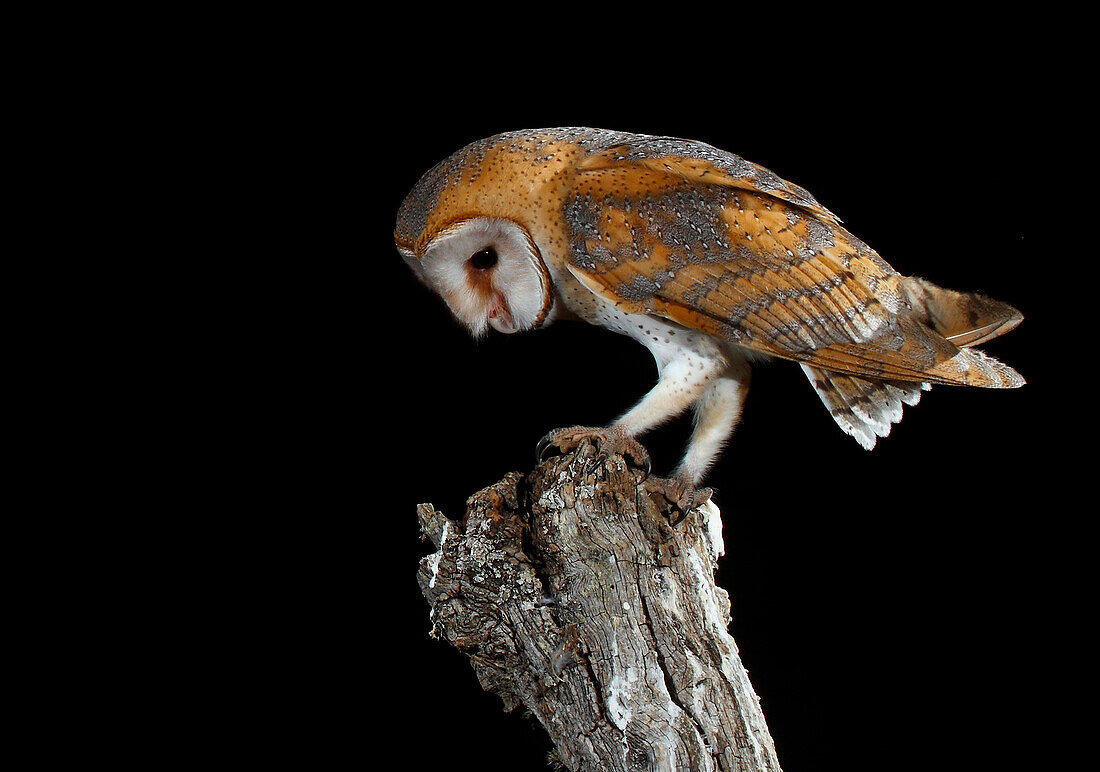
(573, 596)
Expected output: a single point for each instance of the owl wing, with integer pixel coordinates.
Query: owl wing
(717, 244)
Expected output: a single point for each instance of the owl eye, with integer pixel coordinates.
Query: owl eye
(484, 259)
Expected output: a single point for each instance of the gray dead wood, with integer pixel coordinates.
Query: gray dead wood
(574, 597)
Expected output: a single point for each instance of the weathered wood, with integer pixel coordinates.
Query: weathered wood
(573, 596)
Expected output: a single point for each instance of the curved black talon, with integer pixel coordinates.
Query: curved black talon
(677, 497)
(607, 440)
(598, 460)
(675, 521)
(541, 449)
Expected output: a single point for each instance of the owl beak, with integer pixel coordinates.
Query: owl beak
(500, 318)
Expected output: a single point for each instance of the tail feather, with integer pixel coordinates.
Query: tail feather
(977, 368)
(933, 343)
(863, 409)
(961, 320)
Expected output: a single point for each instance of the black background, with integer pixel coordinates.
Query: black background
(903, 608)
(883, 603)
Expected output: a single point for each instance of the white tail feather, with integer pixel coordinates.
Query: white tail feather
(863, 409)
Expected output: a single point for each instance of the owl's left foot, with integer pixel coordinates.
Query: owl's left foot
(609, 439)
(680, 494)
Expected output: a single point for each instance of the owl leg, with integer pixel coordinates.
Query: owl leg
(684, 375)
(696, 373)
(684, 378)
(717, 411)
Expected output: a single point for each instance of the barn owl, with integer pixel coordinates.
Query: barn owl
(708, 260)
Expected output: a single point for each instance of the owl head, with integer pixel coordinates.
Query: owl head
(488, 271)
(466, 231)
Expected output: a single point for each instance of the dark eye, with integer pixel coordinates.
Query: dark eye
(484, 259)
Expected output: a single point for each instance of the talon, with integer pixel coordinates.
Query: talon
(541, 450)
(628, 446)
(594, 463)
(611, 440)
(563, 440)
(675, 521)
(680, 494)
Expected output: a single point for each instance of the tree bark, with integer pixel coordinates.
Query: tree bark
(574, 596)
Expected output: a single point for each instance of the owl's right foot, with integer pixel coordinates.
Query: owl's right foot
(611, 440)
(679, 494)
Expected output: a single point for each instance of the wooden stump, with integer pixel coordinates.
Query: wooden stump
(573, 596)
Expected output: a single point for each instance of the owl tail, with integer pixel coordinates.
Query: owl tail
(964, 319)
(867, 409)
(863, 409)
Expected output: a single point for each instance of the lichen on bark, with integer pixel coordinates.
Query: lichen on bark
(573, 596)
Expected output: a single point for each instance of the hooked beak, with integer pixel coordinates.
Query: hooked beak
(500, 318)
